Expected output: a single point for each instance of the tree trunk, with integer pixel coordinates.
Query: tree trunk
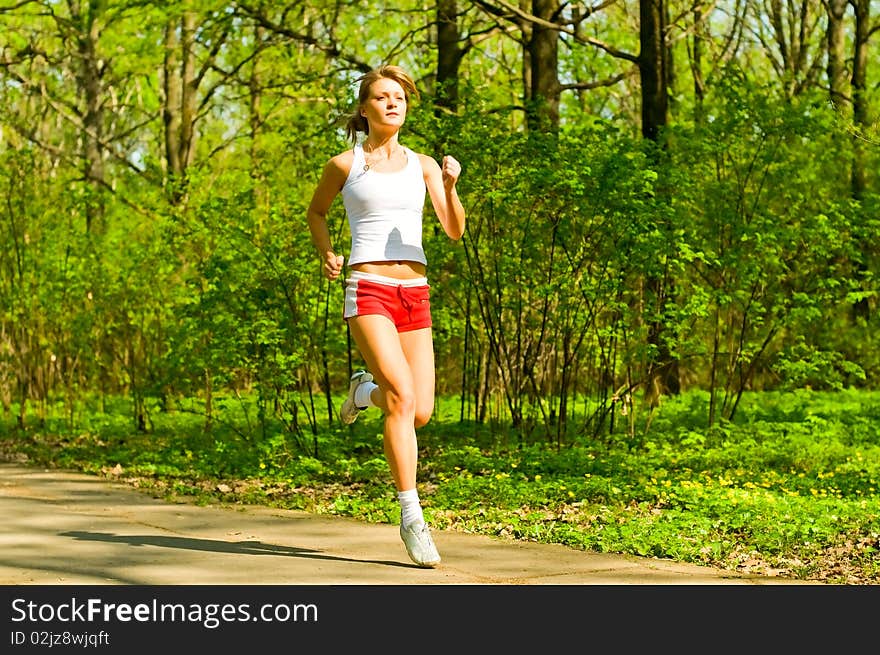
(542, 114)
(861, 123)
(179, 112)
(652, 66)
(258, 166)
(171, 110)
(697, 65)
(189, 85)
(836, 40)
(449, 55)
(662, 374)
(89, 78)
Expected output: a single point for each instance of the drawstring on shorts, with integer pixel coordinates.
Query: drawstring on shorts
(407, 305)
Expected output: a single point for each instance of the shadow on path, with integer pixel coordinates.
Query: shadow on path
(217, 546)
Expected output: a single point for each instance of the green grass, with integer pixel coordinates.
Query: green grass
(790, 488)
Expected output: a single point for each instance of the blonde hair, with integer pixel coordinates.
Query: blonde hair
(358, 123)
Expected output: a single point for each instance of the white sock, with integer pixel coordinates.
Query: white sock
(362, 398)
(410, 508)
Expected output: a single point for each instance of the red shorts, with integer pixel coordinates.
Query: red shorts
(405, 302)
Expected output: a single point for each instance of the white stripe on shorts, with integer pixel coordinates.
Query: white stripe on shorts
(384, 279)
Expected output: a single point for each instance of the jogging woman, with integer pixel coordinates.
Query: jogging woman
(384, 186)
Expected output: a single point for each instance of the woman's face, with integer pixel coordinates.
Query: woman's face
(385, 106)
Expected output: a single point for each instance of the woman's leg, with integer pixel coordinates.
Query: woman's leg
(418, 348)
(383, 351)
(396, 362)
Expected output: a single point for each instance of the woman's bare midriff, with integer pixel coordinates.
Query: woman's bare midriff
(401, 270)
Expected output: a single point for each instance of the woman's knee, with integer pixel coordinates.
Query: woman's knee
(401, 402)
(423, 416)
(424, 410)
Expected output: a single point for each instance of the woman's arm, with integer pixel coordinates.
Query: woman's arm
(333, 177)
(444, 197)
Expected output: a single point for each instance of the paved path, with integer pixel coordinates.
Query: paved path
(70, 528)
(66, 537)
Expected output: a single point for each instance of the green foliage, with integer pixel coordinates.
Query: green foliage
(119, 277)
(764, 245)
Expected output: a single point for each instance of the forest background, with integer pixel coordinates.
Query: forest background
(667, 203)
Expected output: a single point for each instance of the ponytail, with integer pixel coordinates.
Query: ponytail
(356, 123)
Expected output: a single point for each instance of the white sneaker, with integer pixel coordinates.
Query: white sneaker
(349, 411)
(419, 545)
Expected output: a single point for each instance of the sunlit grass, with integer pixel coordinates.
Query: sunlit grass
(789, 488)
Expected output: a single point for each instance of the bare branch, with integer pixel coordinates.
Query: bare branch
(560, 27)
(330, 50)
(586, 86)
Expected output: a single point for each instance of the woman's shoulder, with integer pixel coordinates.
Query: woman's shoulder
(421, 156)
(428, 163)
(339, 165)
(343, 160)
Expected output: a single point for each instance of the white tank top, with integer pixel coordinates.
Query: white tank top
(385, 211)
